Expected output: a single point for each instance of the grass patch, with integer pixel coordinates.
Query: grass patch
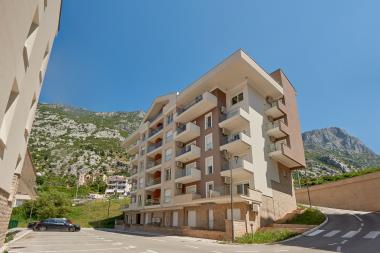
(90, 214)
(266, 236)
(310, 216)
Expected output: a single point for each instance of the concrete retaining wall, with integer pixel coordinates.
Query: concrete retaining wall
(359, 193)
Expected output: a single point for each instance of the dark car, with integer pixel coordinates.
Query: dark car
(56, 224)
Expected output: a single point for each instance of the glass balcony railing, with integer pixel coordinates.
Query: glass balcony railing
(155, 130)
(185, 172)
(184, 150)
(153, 163)
(230, 138)
(153, 181)
(153, 118)
(190, 104)
(154, 146)
(151, 202)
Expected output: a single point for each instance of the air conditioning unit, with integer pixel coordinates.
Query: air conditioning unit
(178, 186)
(179, 164)
(223, 109)
(255, 208)
(227, 180)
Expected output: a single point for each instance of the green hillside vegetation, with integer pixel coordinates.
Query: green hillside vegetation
(326, 179)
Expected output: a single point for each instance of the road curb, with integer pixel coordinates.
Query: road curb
(22, 234)
(306, 232)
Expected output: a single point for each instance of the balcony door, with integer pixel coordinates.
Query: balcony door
(175, 219)
(191, 218)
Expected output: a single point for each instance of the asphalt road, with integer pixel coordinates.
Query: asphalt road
(345, 232)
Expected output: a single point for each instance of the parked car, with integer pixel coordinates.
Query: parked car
(56, 224)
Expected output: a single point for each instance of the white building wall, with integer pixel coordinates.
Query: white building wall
(16, 18)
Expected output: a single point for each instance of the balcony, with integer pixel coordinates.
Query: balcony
(200, 105)
(133, 188)
(234, 120)
(133, 171)
(187, 175)
(188, 132)
(185, 198)
(277, 129)
(241, 169)
(153, 183)
(281, 152)
(188, 153)
(154, 148)
(155, 131)
(134, 148)
(276, 110)
(153, 119)
(134, 159)
(153, 165)
(152, 202)
(236, 143)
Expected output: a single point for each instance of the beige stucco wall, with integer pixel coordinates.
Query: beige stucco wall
(27, 32)
(358, 193)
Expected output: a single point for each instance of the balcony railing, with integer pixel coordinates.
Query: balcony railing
(151, 164)
(154, 146)
(230, 138)
(155, 130)
(181, 128)
(159, 114)
(218, 191)
(184, 150)
(277, 146)
(134, 171)
(151, 202)
(190, 104)
(233, 164)
(185, 172)
(229, 114)
(134, 187)
(153, 181)
(274, 124)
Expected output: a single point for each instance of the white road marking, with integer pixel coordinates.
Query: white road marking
(350, 234)
(357, 217)
(339, 249)
(246, 251)
(372, 235)
(73, 250)
(150, 251)
(191, 246)
(331, 244)
(316, 232)
(344, 241)
(281, 250)
(117, 243)
(331, 233)
(214, 251)
(362, 224)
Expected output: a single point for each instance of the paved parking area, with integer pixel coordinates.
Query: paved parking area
(102, 241)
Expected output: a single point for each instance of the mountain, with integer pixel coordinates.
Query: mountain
(68, 140)
(332, 151)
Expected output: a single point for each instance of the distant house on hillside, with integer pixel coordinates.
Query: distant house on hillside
(27, 184)
(117, 184)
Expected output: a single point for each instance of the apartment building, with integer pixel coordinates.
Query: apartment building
(234, 132)
(117, 185)
(27, 32)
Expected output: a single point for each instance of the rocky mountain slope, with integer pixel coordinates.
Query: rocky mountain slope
(67, 140)
(332, 151)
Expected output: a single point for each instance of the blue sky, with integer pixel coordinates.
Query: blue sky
(119, 55)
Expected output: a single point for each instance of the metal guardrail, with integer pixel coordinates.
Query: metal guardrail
(155, 131)
(153, 181)
(197, 99)
(184, 150)
(154, 146)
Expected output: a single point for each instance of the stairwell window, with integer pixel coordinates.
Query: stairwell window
(168, 154)
(208, 120)
(169, 118)
(167, 195)
(169, 136)
(209, 162)
(237, 99)
(208, 142)
(168, 174)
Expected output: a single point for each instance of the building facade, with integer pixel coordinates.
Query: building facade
(27, 32)
(117, 185)
(26, 189)
(234, 132)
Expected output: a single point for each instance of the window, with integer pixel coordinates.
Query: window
(209, 161)
(208, 120)
(142, 151)
(169, 136)
(191, 189)
(143, 137)
(167, 195)
(169, 118)
(242, 188)
(142, 167)
(208, 142)
(168, 174)
(209, 188)
(168, 154)
(237, 99)
(139, 200)
(141, 182)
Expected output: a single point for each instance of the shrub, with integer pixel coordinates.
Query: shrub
(266, 236)
(310, 216)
